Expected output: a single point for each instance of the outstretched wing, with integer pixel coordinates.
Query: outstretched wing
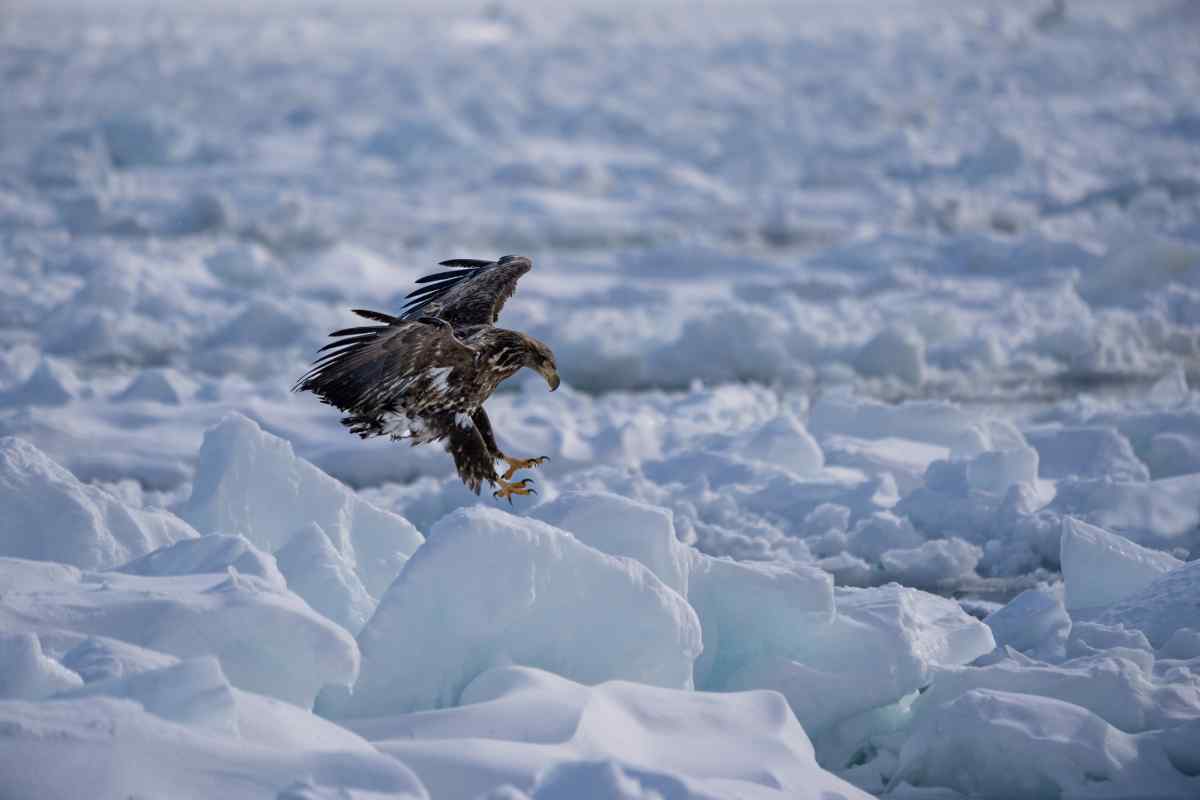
(411, 368)
(471, 294)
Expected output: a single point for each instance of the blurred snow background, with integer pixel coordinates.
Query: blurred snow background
(882, 291)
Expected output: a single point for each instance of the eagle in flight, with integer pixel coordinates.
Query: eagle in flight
(425, 374)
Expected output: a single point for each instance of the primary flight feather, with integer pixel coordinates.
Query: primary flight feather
(425, 374)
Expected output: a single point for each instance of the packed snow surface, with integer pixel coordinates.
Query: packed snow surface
(875, 467)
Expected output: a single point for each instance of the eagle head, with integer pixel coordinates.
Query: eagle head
(540, 358)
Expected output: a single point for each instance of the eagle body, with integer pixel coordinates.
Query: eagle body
(424, 375)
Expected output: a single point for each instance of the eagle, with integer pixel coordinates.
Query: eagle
(425, 374)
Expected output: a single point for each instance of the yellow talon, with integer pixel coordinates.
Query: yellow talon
(515, 464)
(507, 490)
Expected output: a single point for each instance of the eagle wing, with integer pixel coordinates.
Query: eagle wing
(416, 369)
(470, 294)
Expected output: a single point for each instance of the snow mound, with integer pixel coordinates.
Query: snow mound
(147, 755)
(880, 533)
(1182, 645)
(1126, 694)
(751, 610)
(53, 383)
(1100, 568)
(622, 527)
(906, 460)
(1173, 454)
(1087, 638)
(196, 693)
(597, 780)
(98, 658)
(322, 576)
(517, 723)
(939, 423)
(265, 323)
(165, 386)
(1034, 621)
(193, 692)
(26, 673)
(1165, 605)
(745, 608)
(1087, 452)
(783, 442)
(266, 640)
(251, 482)
(50, 516)
(932, 565)
(244, 265)
(209, 554)
(1162, 513)
(996, 470)
(895, 352)
(880, 647)
(995, 744)
(143, 138)
(488, 588)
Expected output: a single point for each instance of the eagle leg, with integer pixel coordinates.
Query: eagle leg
(515, 464)
(507, 490)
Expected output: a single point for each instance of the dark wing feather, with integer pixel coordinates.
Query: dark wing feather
(472, 295)
(464, 262)
(410, 368)
(378, 316)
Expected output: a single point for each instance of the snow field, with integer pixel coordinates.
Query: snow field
(494, 612)
(872, 322)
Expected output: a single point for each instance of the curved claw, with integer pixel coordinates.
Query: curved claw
(507, 490)
(515, 464)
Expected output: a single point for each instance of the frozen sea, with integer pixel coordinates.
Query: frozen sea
(875, 468)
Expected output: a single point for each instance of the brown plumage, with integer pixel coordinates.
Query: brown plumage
(425, 374)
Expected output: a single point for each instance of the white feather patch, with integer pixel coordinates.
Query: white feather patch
(439, 379)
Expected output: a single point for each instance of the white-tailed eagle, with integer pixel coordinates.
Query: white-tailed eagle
(425, 374)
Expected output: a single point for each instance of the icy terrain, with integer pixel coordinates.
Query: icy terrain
(875, 469)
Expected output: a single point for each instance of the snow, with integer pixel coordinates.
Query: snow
(898, 352)
(1159, 513)
(115, 748)
(1164, 606)
(52, 384)
(215, 553)
(932, 565)
(158, 386)
(784, 442)
(1086, 452)
(876, 457)
(26, 673)
(1035, 620)
(1016, 745)
(324, 578)
(49, 515)
(535, 730)
(1100, 568)
(295, 650)
(622, 527)
(252, 483)
(881, 646)
(483, 571)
